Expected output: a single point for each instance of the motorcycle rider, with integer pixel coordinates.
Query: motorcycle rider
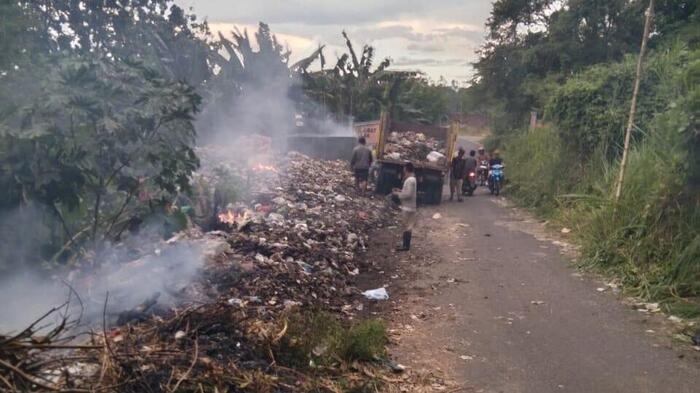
(482, 155)
(471, 162)
(495, 160)
(483, 160)
(470, 168)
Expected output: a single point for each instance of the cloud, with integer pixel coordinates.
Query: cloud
(417, 62)
(411, 31)
(428, 47)
(291, 40)
(338, 12)
(378, 32)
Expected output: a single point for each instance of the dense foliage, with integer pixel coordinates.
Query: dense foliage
(574, 62)
(96, 132)
(102, 102)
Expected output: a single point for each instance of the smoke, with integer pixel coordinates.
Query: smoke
(133, 272)
(144, 266)
(21, 230)
(264, 108)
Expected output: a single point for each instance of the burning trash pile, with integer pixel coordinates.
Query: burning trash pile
(415, 146)
(279, 298)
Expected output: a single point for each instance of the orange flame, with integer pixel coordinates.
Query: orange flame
(227, 218)
(232, 218)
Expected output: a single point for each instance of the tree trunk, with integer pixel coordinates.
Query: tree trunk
(633, 107)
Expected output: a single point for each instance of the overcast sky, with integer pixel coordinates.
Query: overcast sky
(438, 37)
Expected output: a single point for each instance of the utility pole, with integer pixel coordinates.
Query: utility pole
(633, 108)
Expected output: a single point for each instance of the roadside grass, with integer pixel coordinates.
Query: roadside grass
(650, 240)
(319, 339)
(566, 171)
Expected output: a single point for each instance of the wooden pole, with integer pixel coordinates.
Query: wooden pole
(633, 108)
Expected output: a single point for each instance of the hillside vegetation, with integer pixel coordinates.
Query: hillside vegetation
(581, 84)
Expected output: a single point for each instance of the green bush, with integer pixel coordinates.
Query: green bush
(591, 108)
(651, 238)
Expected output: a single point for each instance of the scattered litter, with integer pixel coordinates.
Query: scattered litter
(675, 319)
(537, 302)
(466, 357)
(601, 289)
(376, 294)
(565, 231)
(437, 216)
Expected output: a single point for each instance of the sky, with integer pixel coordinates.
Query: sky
(438, 37)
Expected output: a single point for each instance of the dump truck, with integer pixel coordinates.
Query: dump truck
(432, 165)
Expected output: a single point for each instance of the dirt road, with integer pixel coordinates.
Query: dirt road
(489, 300)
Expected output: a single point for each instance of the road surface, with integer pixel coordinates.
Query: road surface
(488, 298)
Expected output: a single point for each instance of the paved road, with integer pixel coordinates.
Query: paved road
(487, 298)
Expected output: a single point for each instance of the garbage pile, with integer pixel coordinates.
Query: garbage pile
(292, 248)
(415, 146)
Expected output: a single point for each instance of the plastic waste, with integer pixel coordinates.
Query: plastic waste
(435, 156)
(376, 294)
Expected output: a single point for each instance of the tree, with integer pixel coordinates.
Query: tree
(158, 32)
(104, 135)
(354, 87)
(256, 86)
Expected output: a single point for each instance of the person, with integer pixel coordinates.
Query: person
(496, 159)
(360, 163)
(482, 155)
(471, 162)
(408, 197)
(458, 172)
(483, 160)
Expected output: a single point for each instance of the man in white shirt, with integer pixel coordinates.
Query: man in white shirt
(408, 195)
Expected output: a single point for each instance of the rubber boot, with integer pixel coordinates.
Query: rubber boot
(406, 242)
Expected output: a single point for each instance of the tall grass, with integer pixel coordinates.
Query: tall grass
(650, 239)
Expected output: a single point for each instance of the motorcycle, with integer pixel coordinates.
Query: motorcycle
(482, 172)
(469, 184)
(496, 179)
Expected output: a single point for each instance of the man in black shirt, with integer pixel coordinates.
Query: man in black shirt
(496, 159)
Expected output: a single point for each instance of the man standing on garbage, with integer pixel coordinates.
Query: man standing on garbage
(458, 173)
(360, 163)
(408, 195)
